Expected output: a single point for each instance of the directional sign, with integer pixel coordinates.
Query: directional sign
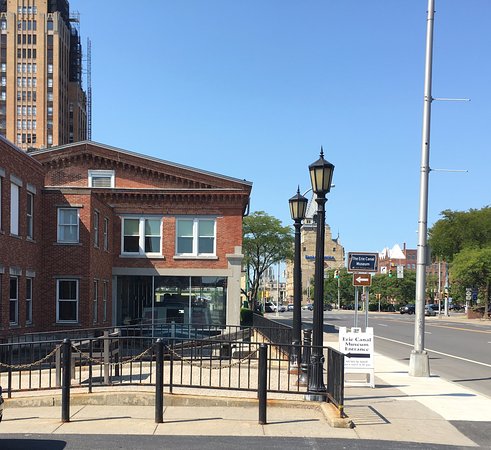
(362, 262)
(468, 294)
(357, 347)
(364, 279)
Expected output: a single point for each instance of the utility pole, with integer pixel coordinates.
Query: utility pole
(419, 363)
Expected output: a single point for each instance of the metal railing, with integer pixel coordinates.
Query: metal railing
(227, 361)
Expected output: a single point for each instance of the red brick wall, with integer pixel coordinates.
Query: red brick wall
(19, 251)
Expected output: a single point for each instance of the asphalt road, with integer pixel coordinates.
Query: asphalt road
(459, 351)
(129, 442)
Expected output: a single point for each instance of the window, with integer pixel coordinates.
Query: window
(14, 209)
(105, 286)
(96, 229)
(195, 237)
(28, 300)
(67, 300)
(106, 233)
(68, 231)
(95, 301)
(30, 213)
(14, 301)
(141, 236)
(101, 178)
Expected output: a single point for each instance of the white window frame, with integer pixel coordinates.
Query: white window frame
(96, 228)
(29, 289)
(105, 232)
(141, 234)
(14, 300)
(58, 300)
(30, 215)
(195, 236)
(105, 289)
(14, 208)
(59, 225)
(95, 302)
(94, 174)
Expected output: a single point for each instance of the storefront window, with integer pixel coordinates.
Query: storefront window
(180, 300)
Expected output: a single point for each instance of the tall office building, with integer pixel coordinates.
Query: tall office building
(42, 102)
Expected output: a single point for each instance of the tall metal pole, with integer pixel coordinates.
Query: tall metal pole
(317, 388)
(297, 297)
(339, 294)
(419, 365)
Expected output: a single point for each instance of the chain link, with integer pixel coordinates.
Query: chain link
(35, 363)
(113, 364)
(213, 367)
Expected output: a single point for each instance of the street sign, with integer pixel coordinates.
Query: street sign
(357, 347)
(362, 262)
(400, 271)
(468, 294)
(364, 279)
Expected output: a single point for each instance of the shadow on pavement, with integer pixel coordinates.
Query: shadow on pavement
(32, 444)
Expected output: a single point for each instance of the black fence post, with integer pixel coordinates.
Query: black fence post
(307, 342)
(91, 344)
(65, 384)
(9, 375)
(159, 381)
(262, 382)
(171, 370)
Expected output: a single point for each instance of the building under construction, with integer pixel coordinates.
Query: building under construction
(42, 101)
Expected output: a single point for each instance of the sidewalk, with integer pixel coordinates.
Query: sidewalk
(400, 408)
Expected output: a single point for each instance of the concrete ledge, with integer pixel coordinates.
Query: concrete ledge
(130, 398)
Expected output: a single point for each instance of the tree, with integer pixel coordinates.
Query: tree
(458, 230)
(471, 267)
(346, 292)
(265, 242)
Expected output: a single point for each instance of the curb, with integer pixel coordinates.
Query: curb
(328, 410)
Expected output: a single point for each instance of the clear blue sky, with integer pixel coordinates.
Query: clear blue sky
(252, 89)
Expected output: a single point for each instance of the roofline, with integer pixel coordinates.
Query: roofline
(18, 149)
(139, 155)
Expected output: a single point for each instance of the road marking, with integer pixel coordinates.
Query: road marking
(382, 325)
(427, 332)
(434, 351)
(458, 328)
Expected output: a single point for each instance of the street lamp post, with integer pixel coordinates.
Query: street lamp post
(321, 173)
(298, 206)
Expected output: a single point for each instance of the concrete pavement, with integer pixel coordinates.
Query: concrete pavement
(400, 408)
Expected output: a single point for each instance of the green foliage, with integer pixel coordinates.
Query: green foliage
(471, 267)
(246, 317)
(458, 230)
(265, 242)
(400, 290)
(346, 291)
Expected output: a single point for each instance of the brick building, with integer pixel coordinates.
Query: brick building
(119, 238)
(333, 253)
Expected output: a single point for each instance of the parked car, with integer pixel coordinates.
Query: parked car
(327, 307)
(308, 306)
(290, 307)
(269, 307)
(408, 309)
(282, 308)
(430, 311)
(1, 404)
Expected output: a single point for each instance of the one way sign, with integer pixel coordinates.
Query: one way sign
(362, 279)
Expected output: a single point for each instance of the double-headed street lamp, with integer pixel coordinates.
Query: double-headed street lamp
(298, 206)
(321, 173)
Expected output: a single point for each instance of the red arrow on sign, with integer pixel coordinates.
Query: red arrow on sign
(362, 280)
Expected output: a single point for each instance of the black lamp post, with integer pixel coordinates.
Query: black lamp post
(298, 206)
(321, 173)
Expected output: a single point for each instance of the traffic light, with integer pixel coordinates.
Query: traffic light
(336, 273)
(390, 273)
